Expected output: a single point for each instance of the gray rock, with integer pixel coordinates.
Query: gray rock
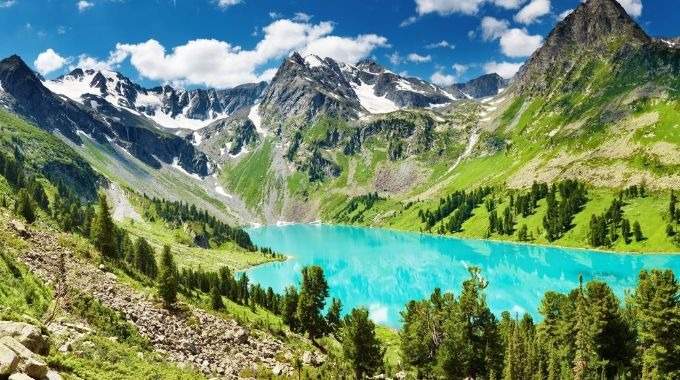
(28, 335)
(8, 361)
(53, 375)
(29, 363)
(278, 370)
(401, 375)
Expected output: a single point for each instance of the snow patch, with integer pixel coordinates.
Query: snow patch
(176, 165)
(371, 102)
(197, 139)
(256, 118)
(472, 141)
(313, 61)
(220, 190)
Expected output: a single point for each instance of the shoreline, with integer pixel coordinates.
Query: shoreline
(498, 241)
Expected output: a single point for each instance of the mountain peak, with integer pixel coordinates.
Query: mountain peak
(594, 28)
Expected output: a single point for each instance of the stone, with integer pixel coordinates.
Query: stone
(28, 335)
(29, 363)
(53, 375)
(307, 358)
(241, 336)
(8, 361)
(102, 267)
(401, 375)
(278, 369)
(20, 229)
(20, 376)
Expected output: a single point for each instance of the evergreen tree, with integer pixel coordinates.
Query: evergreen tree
(656, 307)
(637, 232)
(167, 281)
(216, 299)
(289, 308)
(523, 233)
(360, 345)
(24, 206)
(103, 230)
(672, 210)
(312, 299)
(625, 231)
(145, 260)
(333, 316)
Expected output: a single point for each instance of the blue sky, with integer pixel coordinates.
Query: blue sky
(222, 43)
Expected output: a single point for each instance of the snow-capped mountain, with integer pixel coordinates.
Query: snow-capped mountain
(306, 86)
(168, 107)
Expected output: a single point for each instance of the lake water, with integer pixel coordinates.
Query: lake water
(383, 269)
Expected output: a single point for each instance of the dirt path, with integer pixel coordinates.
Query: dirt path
(215, 346)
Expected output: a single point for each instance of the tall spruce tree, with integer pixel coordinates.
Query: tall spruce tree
(24, 206)
(313, 294)
(167, 281)
(360, 345)
(103, 230)
(145, 260)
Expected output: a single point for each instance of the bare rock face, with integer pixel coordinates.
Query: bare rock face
(593, 29)
(8, 361)
(28, 335)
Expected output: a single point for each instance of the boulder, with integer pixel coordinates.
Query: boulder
(401, 375)
(29, 363)
(8, 361)
(279, 369)
(28, 335)
(20, 229)
(20, 376)
(53, 375)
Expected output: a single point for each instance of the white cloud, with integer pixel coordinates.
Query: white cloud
(447, 7)
(505, 69)
(564, 14)
(377, 313)
(460, 69)
(467, 7)
(442, 79)
(49, 61)
(493, 28)
(395, 58)
(302, 17)
(533, 11)
(408, 21)
(224, 4)
(633, 7)
(7, 3)
(275, 15)
(220, 64)
(84, 5)
(518, 43)
(440, 44)
(417, 58)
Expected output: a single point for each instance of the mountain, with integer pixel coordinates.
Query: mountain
(595, 29)
(94, 117)
(168, 107)
(304, 87)
(482, 87)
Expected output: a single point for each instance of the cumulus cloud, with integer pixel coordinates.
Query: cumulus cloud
(417, 58)
(83, 5)
(302, 17)
(441, 44)
(220, 64)
(519, 43)
(49, 61)
(493, 28)
(460, 69)
(224, 4)
(633, 7)
(533, 11)
(468, 7)
(442, 79)
(505, 69)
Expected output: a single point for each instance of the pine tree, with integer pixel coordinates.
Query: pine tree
(289, 308)
(103, 229)
(360, 345)
(637, 232)
(145, 260)
(216, 299)
(625, 231)
(167, 281)
(333, 316)
(24, 206)
(312, 300)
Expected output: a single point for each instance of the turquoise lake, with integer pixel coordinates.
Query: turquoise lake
(382, 270)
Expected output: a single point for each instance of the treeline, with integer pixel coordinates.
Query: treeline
(523, 204)
(606, 229)
(367, 200)
(457, 207)
(29, 191)
(584, 334)
(208, 229)
(560, 210)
